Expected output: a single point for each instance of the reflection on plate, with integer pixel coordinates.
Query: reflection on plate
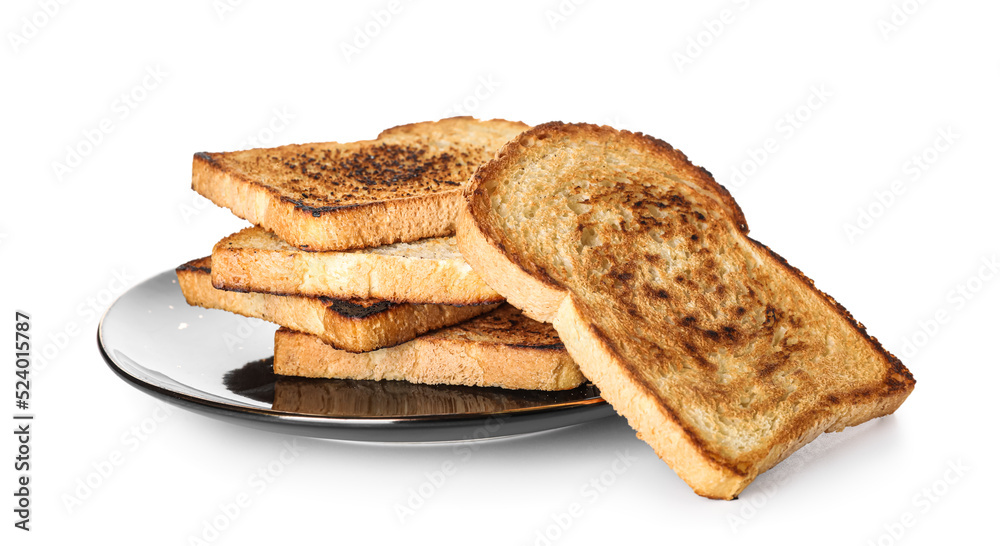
(198, 359)
(385, 399)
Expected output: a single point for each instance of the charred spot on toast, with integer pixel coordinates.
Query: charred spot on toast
(546, 347)
(201, 265)
(768, 368)
(623, 276)
(328, 179)
(509, 326)
(898, 377)
(357, 309)
(657, 293)
(770, 315)
(207, 158)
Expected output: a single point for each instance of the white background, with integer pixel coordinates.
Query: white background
(127, 209)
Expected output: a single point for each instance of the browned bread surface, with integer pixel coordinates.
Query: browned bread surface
(354, 326)
(424, 271)
(403, 186)
(722, 356)
(500, 349)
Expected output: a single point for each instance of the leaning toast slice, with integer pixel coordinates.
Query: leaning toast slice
(722, 356)
(350, 326)
(425, 271)
(501, 349)
(403, 186)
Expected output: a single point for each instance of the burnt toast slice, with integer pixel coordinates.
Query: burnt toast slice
(723, 357)
(425, 271)
(502, 349)
(403, 186)
(354, 326)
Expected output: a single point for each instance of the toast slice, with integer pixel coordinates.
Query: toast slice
(355, 326)
(425, 271)
(401, 187)
(722, 356)
(501, 349)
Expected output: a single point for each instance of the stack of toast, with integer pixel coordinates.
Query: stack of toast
(353, 254)
(723, 357)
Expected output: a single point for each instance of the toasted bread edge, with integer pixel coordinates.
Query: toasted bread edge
(392, 325)
(341, 228)
(366, 276)
(429, 361)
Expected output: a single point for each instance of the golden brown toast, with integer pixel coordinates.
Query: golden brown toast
(401, 187)
(722, 356)
(501, 349)
(424, 271)
(354, 326)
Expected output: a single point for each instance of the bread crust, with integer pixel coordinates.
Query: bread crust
(256, 260)
(403, 186)
(703, 463)
(349, 326)
(501, 349)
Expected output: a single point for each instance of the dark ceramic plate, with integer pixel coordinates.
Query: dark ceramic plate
(219, 364)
